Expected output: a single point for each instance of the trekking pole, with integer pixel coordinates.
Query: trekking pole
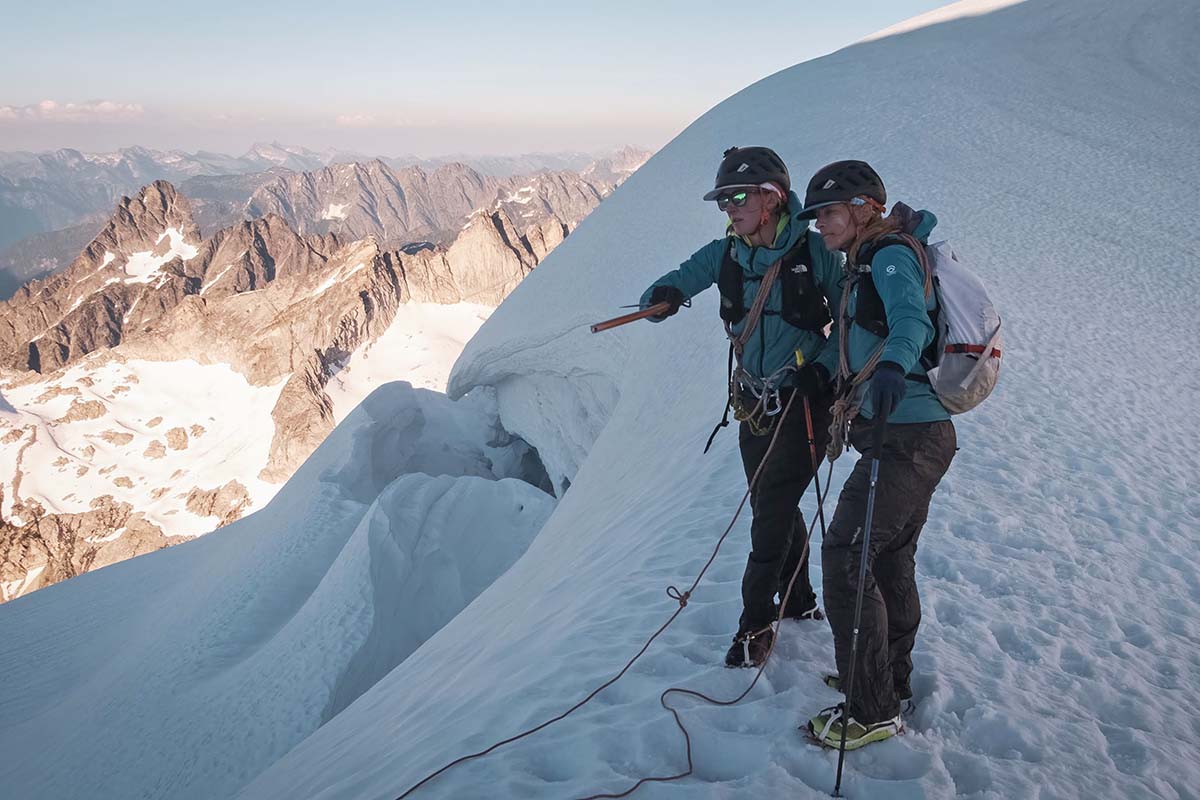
(816, 464)
(880, 427)
(656, 310)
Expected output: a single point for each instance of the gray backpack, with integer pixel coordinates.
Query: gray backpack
(966, 356)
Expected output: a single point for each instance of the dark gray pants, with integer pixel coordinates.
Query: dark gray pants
(777, 533)
(915, 457)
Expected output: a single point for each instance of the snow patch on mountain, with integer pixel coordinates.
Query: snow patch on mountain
(125, 317)
(83, 298)
(73, 458)
(523, 195)
(339, 277)
(335, 211)
(144, 267)
(208, 284)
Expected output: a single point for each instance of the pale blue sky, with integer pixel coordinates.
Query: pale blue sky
(402, 77)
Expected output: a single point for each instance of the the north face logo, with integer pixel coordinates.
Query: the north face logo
(829, 184)
(743, 168)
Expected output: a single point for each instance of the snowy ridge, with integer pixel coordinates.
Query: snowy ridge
(959, 10)
(546, 395)
(1059, 647)
(388, 530)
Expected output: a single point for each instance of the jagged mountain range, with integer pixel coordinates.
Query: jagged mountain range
(410, 204)
(53, 204)
(283, 307)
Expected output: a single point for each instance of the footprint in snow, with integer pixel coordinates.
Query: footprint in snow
(1076, 663)
(970, 772)
(1125, 750)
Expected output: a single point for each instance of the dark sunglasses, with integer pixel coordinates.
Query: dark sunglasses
(737, 199)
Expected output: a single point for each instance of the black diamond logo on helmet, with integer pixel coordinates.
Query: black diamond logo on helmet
(829, 184)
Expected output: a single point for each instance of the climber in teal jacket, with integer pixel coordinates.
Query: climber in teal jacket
(778, 346)
(883, 328)
(776, 342)
(899, 282)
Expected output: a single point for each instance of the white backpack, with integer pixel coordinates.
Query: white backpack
(967, 361)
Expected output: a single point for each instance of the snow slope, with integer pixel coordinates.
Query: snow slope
(1060, 649)
(186, 674)
(419, 346)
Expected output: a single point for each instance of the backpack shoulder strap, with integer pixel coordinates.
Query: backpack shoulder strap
(730, 285)
(804, 306)
(869, 311)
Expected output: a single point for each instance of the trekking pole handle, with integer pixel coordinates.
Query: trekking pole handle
(656, 310)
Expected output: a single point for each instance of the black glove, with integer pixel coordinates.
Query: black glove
(813, 380)
(887, 387)
(667, 294)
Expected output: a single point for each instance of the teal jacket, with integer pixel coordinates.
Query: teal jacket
(900, 282)
(775, 342)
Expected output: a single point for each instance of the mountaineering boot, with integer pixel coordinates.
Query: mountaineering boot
(830, 726)
(750, 648)
(904, 695)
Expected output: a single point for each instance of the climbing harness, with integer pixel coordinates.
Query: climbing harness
(758, 401)
(765, 391)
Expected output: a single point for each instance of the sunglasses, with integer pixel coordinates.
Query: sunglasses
(737, 199)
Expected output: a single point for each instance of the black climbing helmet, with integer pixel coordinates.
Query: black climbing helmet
(743, 167)
(841, 182)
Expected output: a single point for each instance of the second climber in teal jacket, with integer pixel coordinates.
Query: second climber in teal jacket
(769, 255)
(884, 334)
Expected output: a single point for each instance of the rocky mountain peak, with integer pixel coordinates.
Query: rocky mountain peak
(141, 220)
(141, 266)
(151, 256)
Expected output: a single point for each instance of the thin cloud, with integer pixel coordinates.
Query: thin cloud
(374, 121)
(52, 111)
(358, 121)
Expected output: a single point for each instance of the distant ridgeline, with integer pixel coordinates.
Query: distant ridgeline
(53, 204)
